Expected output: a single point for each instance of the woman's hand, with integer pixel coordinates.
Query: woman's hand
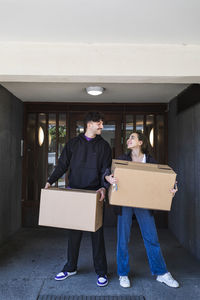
(174, 190)
(111, 179)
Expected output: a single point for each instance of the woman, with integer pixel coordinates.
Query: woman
(138, 146)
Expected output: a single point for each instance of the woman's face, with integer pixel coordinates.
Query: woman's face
(133, 141)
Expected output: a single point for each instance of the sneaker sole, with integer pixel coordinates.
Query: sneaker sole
(102, 285)
(171, 286)
(63, 278)
(125, 287)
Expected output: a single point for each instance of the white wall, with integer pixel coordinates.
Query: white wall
(48, 62)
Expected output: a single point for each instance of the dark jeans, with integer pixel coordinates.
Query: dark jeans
(98, 247)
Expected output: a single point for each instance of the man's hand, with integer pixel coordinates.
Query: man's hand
(174, 190)
(102, 192)
(47, 185)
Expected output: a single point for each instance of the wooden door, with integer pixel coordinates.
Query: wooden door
(60, 122)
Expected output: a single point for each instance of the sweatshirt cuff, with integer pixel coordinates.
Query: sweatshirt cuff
(105, 183)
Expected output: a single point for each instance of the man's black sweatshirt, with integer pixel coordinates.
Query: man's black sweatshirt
(86, 162)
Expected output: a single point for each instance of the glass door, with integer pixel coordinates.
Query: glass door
(46, 133)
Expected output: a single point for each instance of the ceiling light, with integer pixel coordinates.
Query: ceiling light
(95, 90)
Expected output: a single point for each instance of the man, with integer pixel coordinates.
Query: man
(87, 156)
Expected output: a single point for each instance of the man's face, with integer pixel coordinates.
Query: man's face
(95, 127)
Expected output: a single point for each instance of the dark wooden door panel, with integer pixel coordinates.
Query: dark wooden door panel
(62, 121)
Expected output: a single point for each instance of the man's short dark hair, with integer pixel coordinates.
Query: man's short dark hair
(93, 116)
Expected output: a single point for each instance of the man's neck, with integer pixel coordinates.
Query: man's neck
(90, 134)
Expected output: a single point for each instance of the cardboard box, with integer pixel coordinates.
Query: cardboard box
(142, 185)
(72, 209)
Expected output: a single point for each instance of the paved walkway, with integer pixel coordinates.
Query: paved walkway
(29, 261)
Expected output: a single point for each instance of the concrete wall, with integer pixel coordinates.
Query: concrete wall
(104, 62)
(184, 157)
(11, 122)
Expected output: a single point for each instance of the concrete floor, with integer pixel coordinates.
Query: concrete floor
(29, 261)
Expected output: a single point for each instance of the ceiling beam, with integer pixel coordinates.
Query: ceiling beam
(125, 63)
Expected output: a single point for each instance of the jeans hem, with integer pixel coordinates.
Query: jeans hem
(158, 274)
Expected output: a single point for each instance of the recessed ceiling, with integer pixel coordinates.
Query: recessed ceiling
(75, 92)
(94, 21)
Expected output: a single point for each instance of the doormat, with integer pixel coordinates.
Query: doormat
(51, 297)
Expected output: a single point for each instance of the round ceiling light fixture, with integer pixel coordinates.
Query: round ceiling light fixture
(95, 90)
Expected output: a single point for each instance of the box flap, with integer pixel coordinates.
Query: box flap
(140, 166)
(164, 167)
(120, 162)
(71, 190)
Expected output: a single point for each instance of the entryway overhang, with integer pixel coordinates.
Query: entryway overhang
(59, 72)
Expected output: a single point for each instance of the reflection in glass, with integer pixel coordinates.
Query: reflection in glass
(62, 133)
(129, 129)
(61, 142)
(108, 133)
(52, 143)
(160, 139)
(41, 159)
(79, 127)
(140, 122)
(129, 125)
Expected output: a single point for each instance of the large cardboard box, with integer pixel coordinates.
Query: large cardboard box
(72, 209)
(142, 185)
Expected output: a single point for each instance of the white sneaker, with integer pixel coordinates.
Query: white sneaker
(102, 280)
(124, 281)
(64, 275)
(168, 280)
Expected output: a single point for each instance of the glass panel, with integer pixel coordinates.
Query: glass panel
(62, 133)
(61, 142)
(108, 133)
(129, 129)
(160, 139)
(140, 122)
(52, 143)
(41, 154)
(150, 129)
(79, 127)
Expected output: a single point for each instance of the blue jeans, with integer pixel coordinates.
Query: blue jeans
(149, 233)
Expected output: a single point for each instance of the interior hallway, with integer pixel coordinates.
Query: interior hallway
(29, 261)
